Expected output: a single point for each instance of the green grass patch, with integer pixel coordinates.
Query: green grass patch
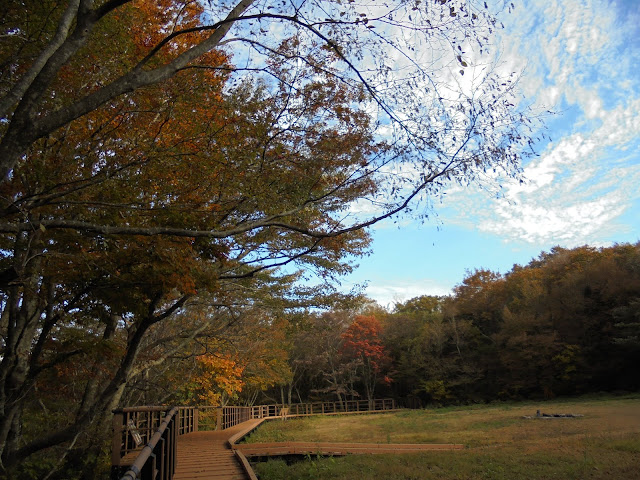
(631, 445)
(501, 444)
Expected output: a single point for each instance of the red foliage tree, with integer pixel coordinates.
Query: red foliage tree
(362, 342)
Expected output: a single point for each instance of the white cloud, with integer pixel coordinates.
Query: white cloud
(557, 223)
(572, 49)
(389, 293)
(581, 59)
(577, 190)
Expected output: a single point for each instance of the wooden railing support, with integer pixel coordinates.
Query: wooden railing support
(117, 424)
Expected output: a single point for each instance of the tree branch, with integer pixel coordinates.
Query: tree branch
(19, 89)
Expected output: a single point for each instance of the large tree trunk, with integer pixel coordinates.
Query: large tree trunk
(23, 309)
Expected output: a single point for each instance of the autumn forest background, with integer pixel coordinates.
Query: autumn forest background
(183, 183)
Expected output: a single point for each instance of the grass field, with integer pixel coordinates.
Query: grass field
(500, 444)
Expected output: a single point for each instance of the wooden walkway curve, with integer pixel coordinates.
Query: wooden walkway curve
(215, 455)
(157, 443)
(208, 455)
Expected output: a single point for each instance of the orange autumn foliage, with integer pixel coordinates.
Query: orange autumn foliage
(219, 378)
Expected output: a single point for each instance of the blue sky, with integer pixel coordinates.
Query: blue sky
(581, 59)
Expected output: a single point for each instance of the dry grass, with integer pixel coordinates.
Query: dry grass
(604, 443)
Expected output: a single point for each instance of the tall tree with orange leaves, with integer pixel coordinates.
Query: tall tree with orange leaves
(144, 161)
(362, 342)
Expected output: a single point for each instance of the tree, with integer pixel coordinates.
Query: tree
(433, 351)
(480, 298)
(219, 379)
(229, 363)
(464, 138)
(317, 356)
(362, 343)
(587, 289)
(143, 173)
(133, 283)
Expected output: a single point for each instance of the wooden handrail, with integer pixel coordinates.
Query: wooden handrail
(167, 457)
(145, 408)
(157, 428)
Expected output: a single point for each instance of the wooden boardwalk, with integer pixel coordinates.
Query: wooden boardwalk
(216, 456)
(335, 449)
(208, 455)
(154, 442)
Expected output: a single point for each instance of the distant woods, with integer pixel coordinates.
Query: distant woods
(566, 323)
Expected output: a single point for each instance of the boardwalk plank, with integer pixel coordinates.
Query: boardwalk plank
(206, 455)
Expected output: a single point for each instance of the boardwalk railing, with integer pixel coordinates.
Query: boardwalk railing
(144, 438)
(348, 406)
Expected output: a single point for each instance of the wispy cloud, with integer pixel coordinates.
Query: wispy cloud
(587, 178)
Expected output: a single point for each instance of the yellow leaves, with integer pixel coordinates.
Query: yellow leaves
(218, 376)
(252, 358)
(150, 22)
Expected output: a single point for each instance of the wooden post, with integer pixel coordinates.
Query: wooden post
(219, 418)
(174, 447)
(116, 441)
(148, 471)
(162, 461)
(196, 417)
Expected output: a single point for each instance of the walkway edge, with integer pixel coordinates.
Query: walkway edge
(252, 425)
(249, 426)
(329, 448)
(245, 464)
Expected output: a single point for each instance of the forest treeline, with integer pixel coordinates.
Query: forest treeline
(567, 323)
